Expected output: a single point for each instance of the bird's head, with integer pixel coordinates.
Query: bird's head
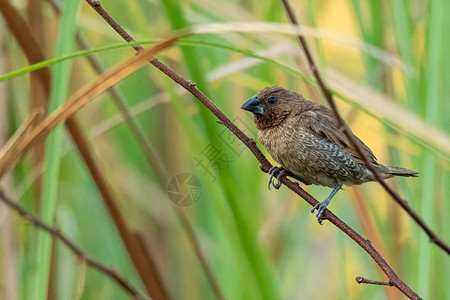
(272, 105)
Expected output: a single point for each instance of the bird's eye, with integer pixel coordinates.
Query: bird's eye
(272, 100)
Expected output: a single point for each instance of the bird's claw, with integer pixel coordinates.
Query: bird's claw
(272, 172)
(278, 184)
(321, 206)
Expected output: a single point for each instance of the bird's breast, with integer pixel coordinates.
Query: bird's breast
(286, 145)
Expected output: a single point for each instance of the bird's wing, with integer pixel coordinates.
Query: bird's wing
(320, 121)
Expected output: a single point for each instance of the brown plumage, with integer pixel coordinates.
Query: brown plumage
(304, 137)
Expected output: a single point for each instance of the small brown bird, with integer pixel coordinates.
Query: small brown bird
(304, 137)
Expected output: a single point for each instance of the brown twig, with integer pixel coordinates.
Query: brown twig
(370, 230)
(365, 244)
(403, 203)
(265, 164)
(110, 272)
(360, 280)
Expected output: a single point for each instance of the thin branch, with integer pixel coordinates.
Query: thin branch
(371, 231)
(403, 203)
(54, 232)
(360, 280)
(265, 164)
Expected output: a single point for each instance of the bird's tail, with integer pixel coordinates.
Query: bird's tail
(396, 171)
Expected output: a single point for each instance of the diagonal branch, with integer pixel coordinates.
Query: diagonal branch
(265, 164)
(53, 231)
(403, 203)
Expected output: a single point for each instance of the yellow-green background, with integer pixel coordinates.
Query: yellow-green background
(260, 244)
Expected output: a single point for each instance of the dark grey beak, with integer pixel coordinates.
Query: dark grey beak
(253, 105)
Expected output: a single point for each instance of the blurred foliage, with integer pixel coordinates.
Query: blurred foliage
(260, 244)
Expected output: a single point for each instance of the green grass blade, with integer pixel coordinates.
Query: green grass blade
(267, 285)
(59, 59)
(60, 83)
(402, 26)
(432, 78)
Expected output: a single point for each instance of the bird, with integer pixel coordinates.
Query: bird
(305, 138)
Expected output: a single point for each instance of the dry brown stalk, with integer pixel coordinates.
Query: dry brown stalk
(82, 97)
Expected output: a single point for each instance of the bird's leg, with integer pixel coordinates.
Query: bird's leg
(272, 172)
(321, 206)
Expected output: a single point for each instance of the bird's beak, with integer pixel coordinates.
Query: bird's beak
(253, 105)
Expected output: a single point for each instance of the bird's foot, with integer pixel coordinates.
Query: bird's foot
(321, 206)
(272, 173)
